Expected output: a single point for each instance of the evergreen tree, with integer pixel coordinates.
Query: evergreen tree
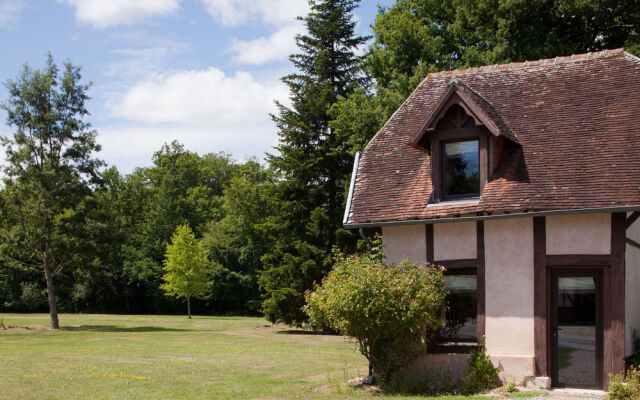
(312, 160)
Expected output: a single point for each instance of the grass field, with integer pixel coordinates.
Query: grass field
(171, 357)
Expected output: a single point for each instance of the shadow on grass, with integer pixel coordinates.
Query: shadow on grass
(303, 332)
(115, 328)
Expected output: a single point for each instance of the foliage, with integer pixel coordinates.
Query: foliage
(312, 162)
(510, 386)
(621, 388)
(237, 242)
(390, 311)
(185, 267)
(182, 187)
(33, 297)
(49, 173)
(480, 375)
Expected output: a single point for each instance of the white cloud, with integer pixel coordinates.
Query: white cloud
(10, 13)
(272, 12)
(204, 97)
(105, 13)
(264, 49)
(280, 15)
(206, 110)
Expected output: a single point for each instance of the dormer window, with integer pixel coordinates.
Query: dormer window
(458, 134)
(461, 169)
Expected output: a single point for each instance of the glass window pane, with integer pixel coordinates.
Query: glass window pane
(461, 283)
(576, 331)
(461, 168)
(460, 320)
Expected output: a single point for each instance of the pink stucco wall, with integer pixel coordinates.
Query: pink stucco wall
(509, 295)
(404, 242)
(579, 234)
(454, 240)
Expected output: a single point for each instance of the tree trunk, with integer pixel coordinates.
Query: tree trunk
(188, 308)
(53, 310)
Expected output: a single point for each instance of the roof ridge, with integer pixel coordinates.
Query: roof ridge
(541, 62)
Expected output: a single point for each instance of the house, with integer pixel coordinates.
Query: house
(523, 180)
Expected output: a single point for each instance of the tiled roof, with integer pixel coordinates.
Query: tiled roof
(577, 120)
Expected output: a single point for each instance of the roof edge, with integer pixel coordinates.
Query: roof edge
(500, 216)
(632, 56)
(536, 63)
(352, 184)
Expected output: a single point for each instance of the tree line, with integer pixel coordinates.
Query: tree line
(79, 236)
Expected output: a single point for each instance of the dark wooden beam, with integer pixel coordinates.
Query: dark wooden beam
(540, 306)
(480, 290)
(484, 161)
(578, 260)
(614, 300)
(458, 264)
(633, 243)
(429, 238)
(631, 219)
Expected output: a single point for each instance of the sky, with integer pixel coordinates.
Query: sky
(203, 72)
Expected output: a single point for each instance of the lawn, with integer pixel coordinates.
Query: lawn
(171, 357)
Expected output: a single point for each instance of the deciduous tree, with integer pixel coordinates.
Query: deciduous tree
(185, 265)
(49, 172)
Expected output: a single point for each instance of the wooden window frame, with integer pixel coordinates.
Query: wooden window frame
(478, 264)
(442, 136)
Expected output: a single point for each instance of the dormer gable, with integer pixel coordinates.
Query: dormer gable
(461, 134)
(459, 108)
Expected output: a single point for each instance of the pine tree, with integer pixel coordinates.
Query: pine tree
(312, 159)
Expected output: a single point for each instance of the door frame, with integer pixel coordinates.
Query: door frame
(597, 272)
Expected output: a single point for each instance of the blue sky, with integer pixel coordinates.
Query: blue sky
(203, 72)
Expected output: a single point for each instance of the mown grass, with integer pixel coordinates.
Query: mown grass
(171, 357)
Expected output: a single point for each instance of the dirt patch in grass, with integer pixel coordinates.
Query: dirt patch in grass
(21, 329)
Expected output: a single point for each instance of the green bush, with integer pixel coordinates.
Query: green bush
(510, 387)
(480, 376)
(625, 389)
(284, 306)
(390, 311)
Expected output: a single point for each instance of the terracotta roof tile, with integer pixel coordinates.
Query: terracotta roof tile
(577, 121)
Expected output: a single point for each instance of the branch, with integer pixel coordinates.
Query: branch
(60, 266)
(22, 262)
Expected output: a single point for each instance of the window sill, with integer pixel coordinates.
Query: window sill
(453, 348)
(460, 202)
